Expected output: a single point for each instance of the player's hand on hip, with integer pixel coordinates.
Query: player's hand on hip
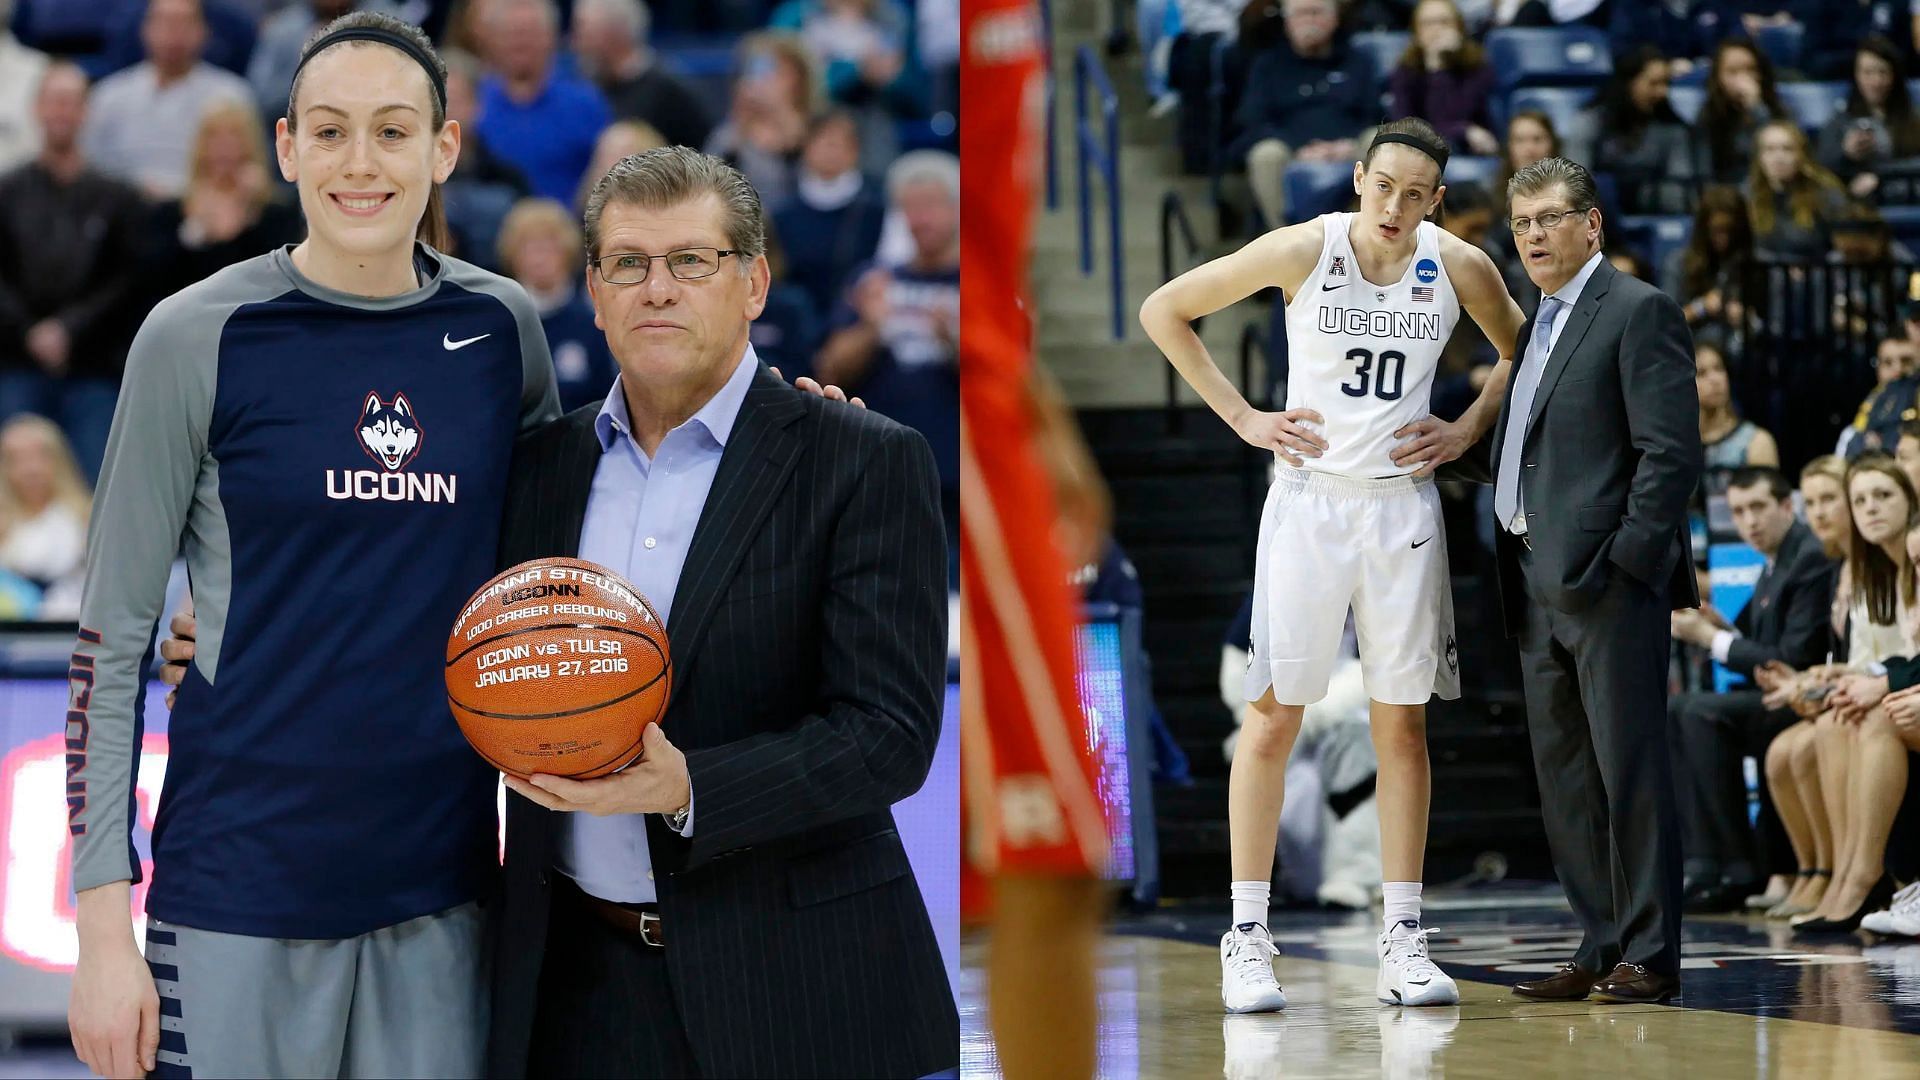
(656, 783)
(113, 1013)
(1431, 443)
(1284, 433)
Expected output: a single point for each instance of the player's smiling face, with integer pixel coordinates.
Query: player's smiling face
(1398, 188)
(363, 150)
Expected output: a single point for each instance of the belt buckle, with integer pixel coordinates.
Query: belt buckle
(650, 929)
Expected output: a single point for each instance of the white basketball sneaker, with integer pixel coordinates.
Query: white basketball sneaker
(1246, 971)
(1407, 976)
(1901, 918)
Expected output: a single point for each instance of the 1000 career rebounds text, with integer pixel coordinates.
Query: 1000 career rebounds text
(549, 583)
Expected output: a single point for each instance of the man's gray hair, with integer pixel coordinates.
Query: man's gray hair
(1544, 175)
(633, 16)
(924, 167)
(671, 175)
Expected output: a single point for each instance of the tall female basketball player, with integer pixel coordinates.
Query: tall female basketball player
(1352, 519)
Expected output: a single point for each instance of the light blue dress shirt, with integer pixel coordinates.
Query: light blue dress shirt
(1507, 484)
(640, 520)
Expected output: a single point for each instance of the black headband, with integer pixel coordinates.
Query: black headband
(383, 37)
(1408, 140)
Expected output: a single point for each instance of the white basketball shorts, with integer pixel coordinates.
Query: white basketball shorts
(1331, 542)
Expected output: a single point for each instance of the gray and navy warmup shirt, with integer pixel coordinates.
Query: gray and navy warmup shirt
(333, 468)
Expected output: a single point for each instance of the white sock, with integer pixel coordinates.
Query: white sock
(1402, 899)
(1250, 902)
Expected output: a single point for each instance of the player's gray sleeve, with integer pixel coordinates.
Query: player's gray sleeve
(156, 455)
(539, 390)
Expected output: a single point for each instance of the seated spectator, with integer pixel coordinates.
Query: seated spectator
(141, 121)
(1740, 98)
(1731, 441)
(1205, 25)
(69, 276)
(1708, 276)
(1530, 138)
(774, 94)
(1631, 132)
(787, 333)
(484, 186)
(1792, 199)
(1685, 30)
(1811, 765)
(277, 52)
(1306, 99)
(531, 113)
(621, 140)
(229, 212)
(1785, 620)
(1823, 502)
(611, 38)
(44, 503)
(1906, 453)
(1894, 398)
(895, 336)
(861, 46)
(833, 222)
(21, 69)
(540, 246)
(1444, 79)
(1865, 296)
(1877, 126)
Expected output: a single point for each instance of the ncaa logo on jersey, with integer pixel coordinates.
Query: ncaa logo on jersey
(389, 433)
(1427, 271)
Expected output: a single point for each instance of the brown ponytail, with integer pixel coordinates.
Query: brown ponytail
(434, 231)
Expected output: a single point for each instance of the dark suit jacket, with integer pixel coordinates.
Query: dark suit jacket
(1612, 455)
(1786, 619)
(808, 638)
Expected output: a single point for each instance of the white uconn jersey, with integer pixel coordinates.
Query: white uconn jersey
(1363, 355)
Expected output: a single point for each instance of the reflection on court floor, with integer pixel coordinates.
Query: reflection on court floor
(1756, 1002)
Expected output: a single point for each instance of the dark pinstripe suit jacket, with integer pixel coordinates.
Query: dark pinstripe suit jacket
(808, 634)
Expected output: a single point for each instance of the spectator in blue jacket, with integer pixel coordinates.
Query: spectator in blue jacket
(1307, 99)
(540, 247)
(833, 223)
(539, 119)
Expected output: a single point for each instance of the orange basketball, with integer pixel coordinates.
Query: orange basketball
(557, 666)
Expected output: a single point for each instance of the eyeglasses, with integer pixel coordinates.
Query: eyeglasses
(1549, 221)
(686, 264)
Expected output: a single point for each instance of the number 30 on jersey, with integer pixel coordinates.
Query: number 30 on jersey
(1385, 383)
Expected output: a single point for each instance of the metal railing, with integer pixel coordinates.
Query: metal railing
(1047, 84)
(1099, 149)
(1176, 225)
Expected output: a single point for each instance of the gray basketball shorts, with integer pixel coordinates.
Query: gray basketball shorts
(404, 1001)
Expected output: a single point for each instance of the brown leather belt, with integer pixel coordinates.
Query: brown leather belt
(635, 920)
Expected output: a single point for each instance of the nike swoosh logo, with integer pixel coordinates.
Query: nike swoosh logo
(447, 341)
(1424, 541)
(1330, 288)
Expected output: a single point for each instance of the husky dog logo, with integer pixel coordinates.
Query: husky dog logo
(389, 433)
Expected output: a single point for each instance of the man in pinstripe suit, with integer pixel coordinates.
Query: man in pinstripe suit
(737, 902)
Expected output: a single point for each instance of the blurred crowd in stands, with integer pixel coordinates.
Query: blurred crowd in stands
(1757, 159)
(136, 158)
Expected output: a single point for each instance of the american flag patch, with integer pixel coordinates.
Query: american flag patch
(1423, 293)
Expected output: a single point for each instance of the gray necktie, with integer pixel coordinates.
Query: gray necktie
(1506, 488)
